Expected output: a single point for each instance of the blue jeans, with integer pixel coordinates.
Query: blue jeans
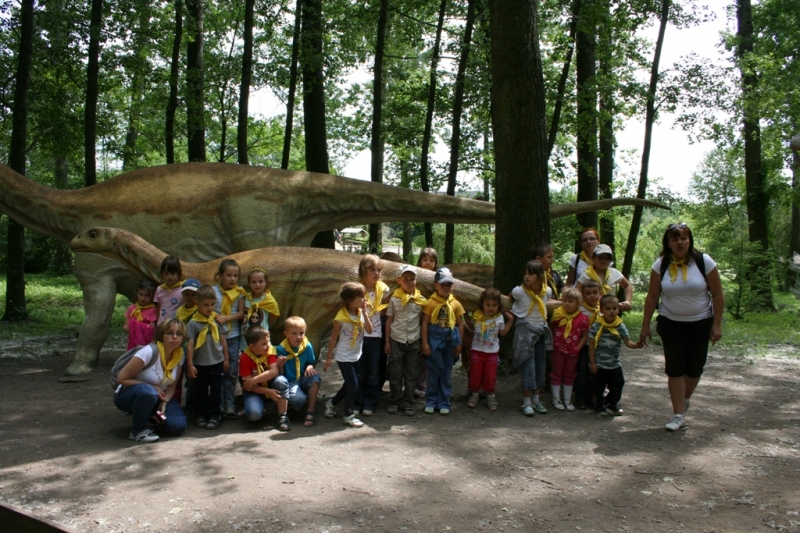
(140, 400)
(254, 402)
(232, 375)
(534, 369)
(370, 380)
(349, 389)
(440, 381)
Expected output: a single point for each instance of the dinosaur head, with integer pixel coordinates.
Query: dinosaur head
(97, 240)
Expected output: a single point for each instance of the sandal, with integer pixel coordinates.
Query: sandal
(201, 422)
(283, 423)
(311, 419)
(212, 424)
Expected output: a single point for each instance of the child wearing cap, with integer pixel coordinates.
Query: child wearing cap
(189, 307)
(441, 332)
(609, 278)
(402, 340)
(141, 317)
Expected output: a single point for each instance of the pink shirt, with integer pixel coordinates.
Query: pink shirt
(141, 333)
(569, 346)
(169, 301)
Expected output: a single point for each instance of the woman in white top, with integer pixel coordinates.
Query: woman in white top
(688, 317)
(578, 263)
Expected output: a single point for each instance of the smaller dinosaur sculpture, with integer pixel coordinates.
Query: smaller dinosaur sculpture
(304, 281)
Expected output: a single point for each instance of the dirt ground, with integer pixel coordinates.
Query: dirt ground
(65, 456)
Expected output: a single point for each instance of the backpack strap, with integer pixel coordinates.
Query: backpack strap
(699, 259)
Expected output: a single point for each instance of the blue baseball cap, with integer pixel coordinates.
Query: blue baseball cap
(190, 284)
(443, 275)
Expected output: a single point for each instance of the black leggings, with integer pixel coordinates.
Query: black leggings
(685, 346)
(349, 390)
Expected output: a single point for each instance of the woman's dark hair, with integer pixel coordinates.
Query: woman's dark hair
(675, 230)
(172, 264)
(493, 295)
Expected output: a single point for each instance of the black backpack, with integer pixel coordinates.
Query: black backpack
(123, 359)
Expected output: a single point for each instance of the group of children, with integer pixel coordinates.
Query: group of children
(399, 335)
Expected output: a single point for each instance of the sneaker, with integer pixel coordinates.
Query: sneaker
(330, 409)
(352, 421)
(368, 412)
(473, 400)
(392, 409)
(444, 411)
(677, 422)
(230, 412)
(356, 411)
(582, 406)
(283, 423)
(686, 403)
(429, 410)
(557, 404)
(409, 410)
(569, 407)
(491, 402)
(145, 435)
(527, 410)
(614, 410)
(540, 408)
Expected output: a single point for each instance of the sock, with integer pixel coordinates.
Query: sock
(556, 392)
(686, 402)
(567, 394)
(535, 398)
(526, 400)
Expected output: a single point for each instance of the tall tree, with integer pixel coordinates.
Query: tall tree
(16, 307)
(287, 136)
(520, 139)
(794, 241)
(247, 74)
(555, 121)
(90, 110)
(378, 141)
(137, 65)
(195, 98)
(586, 70)
(606, 137)
(172, 104)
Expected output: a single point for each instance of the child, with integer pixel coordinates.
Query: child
(428, 260)
(141, 317)
(544, 253)
(369, 366)
(259, 371)
(590, 308)
(230, 310)
(402, 340)
(189, 295)
(168, 295)
(570, 330)
(441, 331)
(345, 345)
(531, 335)
(609, 278)
(207, 358)
(260, 308)
(489, 324)
(605, 338)
(300, 379)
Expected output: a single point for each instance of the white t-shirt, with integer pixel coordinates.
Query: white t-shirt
(579, 265)
(614, 277)
(522, 302)
(685, 301)
(489, 341)
(155, 374)
(345, 353)
(376, 318)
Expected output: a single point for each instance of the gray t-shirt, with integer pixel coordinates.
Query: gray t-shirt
(210, 353)
(607, 352)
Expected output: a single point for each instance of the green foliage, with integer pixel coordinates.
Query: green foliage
(474, 243)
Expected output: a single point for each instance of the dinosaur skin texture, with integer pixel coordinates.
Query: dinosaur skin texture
(204, 211)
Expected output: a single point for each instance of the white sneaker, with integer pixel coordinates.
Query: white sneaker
(144, 435)
(352, 421)
(330, 409)
(677, 422)
(557, 404)
(570, 407)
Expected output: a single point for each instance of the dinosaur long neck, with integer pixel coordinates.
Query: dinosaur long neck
(142, 255)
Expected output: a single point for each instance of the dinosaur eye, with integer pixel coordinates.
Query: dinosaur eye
(93, 234)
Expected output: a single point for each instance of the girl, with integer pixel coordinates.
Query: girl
(429, 260)
(372, 354)
(345, 345)
(229, 308)
(570, 329)
(441, 332)
(578, 263)
(168, 296)
(489, 324)
(141, 317)
(260, 307)
(531, 335)
(609, 278)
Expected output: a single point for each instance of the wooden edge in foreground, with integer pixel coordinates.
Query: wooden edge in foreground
(17, 520)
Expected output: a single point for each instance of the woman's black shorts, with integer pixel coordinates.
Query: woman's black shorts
(685, 345)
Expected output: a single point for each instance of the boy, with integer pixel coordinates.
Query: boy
(258, 366)
(590, 291)
(545, 253)
(605, 338)
(402, 341)
(189, 293)
(206, 359)
(300, 379)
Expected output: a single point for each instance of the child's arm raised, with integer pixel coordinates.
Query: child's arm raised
(423, 335)
(337, 327)
(191, 371)
(365, 319)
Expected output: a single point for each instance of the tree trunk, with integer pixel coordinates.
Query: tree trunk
(520, 139)
(90, 111)
(426, 136)
(287, 136)
(247, 74)
(378, 141)
(760, 271)
(649, 119)
(16, 307)
(408, 229)
(794, 245)
(195, 109)
(455, 139)
(585, 68)
(172, 104)
(607, 140)
(138, 67)
(562, 81)
(314, 101)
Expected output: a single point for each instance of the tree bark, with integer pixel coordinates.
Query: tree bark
(16, 305)
(138, 67)
(195, 109)
(585, 67)
(426, 136)
(455, 139)
(174, 72)
(562, 81)
(649, 119)
(90, 111)
(607, 140)
(378, 142)
(287, 136)
(247, 74)
(520, 139)
(794, 244)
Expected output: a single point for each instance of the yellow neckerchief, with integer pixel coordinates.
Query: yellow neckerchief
(586, 259)
(268, 304)
(604, 288)
(611, 327)
(358, 324)
(185, 313)
(551, 282)
(212, 325)
(259, 359)
(228, 297)
(482, 321)
(404, 297)
(675, 264)
(171, 287)
(168, 366)
(377, 306)
(440, 302)
(291, 353)
(564, 319)
(595, 312)
(137, 313)
(537, 300)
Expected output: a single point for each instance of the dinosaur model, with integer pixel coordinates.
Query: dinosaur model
(304, 281)
(203, 211)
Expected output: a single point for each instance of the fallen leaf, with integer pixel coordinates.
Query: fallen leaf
(175, 510)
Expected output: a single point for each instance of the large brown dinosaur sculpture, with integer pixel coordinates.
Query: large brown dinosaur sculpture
(304, 281)
(203, 211)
